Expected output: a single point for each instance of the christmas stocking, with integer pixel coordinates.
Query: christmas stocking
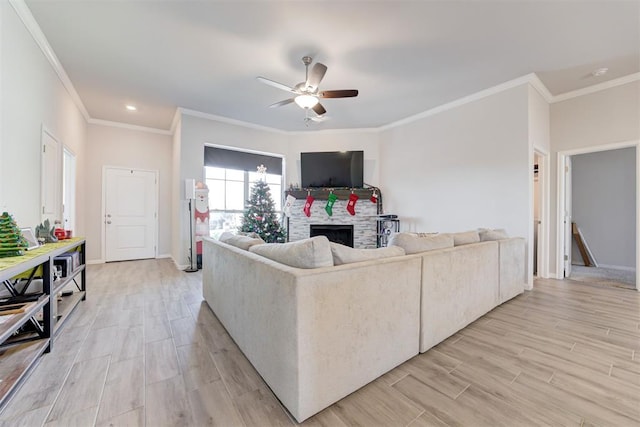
(307, 205)
(288, 204)
(374, 197)
(330, 201)
(351, 204)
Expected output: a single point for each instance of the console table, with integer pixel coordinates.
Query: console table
(19, 348)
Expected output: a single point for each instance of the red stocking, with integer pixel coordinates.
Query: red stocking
(374, 197)
(351, 204)
(307, 205)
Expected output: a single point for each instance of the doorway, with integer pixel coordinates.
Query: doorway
(598, 209)
(539, 248)
(130, 200)
(68, 189)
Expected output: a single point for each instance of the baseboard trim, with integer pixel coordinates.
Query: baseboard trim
(95, 261)
(617, 267)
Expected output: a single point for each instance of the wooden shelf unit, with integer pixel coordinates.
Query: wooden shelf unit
(19, 351)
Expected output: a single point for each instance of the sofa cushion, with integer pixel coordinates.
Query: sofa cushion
(465, 237)
(488, 234)
(308, 253)
(239, 241)
(413, 244)
(346, 255)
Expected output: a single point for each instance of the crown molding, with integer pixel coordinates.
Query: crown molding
(596, 88)
(537, 84)
(227, 120)
(176, 119)
(461, 101)
(129, 126)
(32, 26)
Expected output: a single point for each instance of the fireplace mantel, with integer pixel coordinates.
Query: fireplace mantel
(364, 221)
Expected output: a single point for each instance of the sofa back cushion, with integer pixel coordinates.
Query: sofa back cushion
(465, 237)
(314, 252)
(346, 255)
(488, 235)
(240, 241)
(413, 244)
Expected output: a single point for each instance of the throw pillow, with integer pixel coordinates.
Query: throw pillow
(497, 234)
(465, 237)
(308, 253)
(242, 242)
(346, 255)
(413, 244)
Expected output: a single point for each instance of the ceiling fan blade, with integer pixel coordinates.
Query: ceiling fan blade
(281, 103)
(274, 84)
(319, 109)
(345, 93)
(315, 76)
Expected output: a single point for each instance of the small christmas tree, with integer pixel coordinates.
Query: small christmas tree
(259, 214)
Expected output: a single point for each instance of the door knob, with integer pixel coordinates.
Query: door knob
(108, 222)
(108, 215)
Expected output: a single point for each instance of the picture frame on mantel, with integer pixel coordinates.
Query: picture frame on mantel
(28, 235)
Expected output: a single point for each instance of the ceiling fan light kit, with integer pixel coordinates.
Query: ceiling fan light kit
(307, 94)
(306, 101)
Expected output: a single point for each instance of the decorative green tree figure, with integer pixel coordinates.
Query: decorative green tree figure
(259, 213)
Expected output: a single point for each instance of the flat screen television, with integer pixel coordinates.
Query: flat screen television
(332, 169)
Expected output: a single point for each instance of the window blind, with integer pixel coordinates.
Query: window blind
(241, 160)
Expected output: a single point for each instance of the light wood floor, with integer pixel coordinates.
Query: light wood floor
(145, 350)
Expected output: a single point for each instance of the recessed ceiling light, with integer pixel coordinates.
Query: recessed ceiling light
(131, 108)
(600, 72)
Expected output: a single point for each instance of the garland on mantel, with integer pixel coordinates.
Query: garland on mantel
(331, 195)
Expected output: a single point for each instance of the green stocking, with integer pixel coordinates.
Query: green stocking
(330, 201)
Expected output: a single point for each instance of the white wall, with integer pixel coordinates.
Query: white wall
(195, 132)
(353, 140)
(120, 147)
(33, 97)
(463, 168)
(595, 120)
(604, 205)
(176, 195)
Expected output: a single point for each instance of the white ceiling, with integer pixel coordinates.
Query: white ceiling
(405, 57)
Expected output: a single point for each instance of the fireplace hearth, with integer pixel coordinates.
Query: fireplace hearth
(342, 234)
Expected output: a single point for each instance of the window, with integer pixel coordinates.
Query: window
(229, 180)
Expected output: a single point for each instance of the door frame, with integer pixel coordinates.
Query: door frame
(544, 179)
(560, 238)
(103, 219)
(58, 178)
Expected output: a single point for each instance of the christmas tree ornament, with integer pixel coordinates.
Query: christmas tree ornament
(288, 204)
(374, 197)
(351, 204)
(330, 201)
(307, 204)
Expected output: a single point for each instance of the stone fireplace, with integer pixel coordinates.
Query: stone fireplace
(363, 224)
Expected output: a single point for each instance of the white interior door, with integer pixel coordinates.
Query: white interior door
(568, 236)
(50, 178)
(130, 214)
(68, 189)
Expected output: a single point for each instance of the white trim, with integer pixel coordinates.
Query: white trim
(32, 26)
(177, 116)
(560, 201)
(596, 88)
(537, 84)
(199, 114)
(617, 267)
(128, 126)
(461, 101)
(544, 177)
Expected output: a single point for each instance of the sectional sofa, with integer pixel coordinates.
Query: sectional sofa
(317, 331)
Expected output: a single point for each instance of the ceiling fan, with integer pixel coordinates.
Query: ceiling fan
(307, 95)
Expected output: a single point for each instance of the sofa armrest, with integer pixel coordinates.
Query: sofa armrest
(512, 265)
